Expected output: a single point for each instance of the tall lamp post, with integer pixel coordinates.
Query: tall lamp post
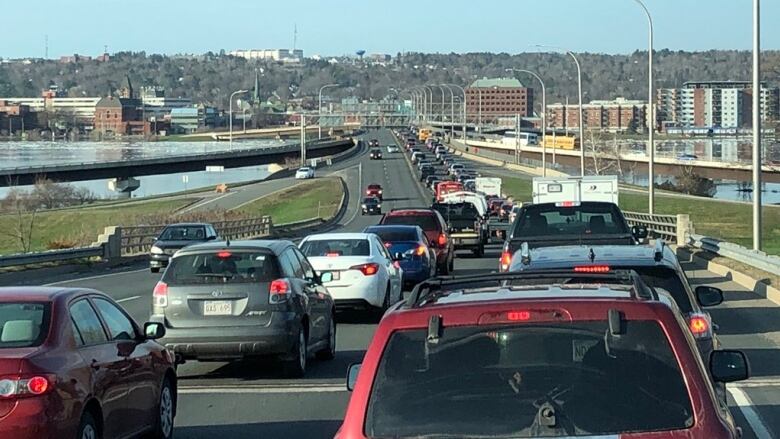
(651, 116)
(319, 110)
(757, 125)
(579, 96)
(429, 112)
(544, 116)
(452, 109)
(230, 115)
(462, 90)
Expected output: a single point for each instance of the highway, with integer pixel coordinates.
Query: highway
(248, 399)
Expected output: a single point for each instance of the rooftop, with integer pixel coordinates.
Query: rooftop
(496, 82)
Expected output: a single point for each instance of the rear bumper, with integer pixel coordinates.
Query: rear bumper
(30, 418)
(365, 290)
(373, 210)
(225, 342)
(467, 241)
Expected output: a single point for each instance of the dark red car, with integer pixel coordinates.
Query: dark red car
(73, 364)
(538, 354)
(374, 190)
(436, 231)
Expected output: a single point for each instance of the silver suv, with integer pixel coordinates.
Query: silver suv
(229, 300)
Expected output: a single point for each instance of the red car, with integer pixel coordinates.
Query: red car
(436, 231)
(374, 190)
(538, 354)
(73, 364)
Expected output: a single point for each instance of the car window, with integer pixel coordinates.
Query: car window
(183, 233)
(584, 220)
(426, 222)
(23, 324)
(308, 271)
(394, 234)
(86, 323)
(292, 265)
(669, 280)
(119, 326)
(222, 268)
(336, 247)
(497, 380)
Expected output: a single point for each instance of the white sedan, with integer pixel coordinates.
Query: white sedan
(304, 173)
(391, 149)
(364, 275)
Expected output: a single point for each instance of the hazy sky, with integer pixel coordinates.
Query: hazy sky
(335, 27)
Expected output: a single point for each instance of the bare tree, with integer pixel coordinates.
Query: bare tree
(600, 154)
(21, 207)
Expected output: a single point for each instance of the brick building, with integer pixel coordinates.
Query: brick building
(490, 98)
(616, 115)
(119, 116)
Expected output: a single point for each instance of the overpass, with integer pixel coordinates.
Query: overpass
(221, 399)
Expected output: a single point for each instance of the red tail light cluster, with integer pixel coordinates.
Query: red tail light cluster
(419, 251)
(160, 294)
(505, 261)
(442, 241)
(279, 290)
(699, 325)
(369, 269)
(18, 387)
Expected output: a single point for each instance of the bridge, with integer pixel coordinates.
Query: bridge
(249, 399)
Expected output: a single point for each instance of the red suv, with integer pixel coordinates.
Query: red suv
(374, 190)
(73, 364)
(538, 354)
(435, 229)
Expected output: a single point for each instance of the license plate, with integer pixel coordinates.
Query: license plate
(336, 275)
(217, 308)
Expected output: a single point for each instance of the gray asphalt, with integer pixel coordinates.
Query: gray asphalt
(250, 400)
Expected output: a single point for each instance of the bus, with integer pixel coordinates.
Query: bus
(424, 134)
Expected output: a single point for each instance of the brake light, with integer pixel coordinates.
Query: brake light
(388, 245)
(699, 325)
(16, 387)
(368, 192)
(442, 241)
(279, 290)
(224, 255)
(369, 269)
(515, 316)
(525, 315)
(506, 260)
(420, 250)
(396, 264)
(592, 269)
(331, 254)
(160, 294)
(567, 204)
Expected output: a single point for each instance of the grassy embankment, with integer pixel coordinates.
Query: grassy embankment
(320, 197)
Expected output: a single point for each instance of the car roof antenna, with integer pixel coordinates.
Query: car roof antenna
(591, 255)
(227, 242)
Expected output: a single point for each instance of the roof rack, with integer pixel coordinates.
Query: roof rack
(428, 290)
(659, 250)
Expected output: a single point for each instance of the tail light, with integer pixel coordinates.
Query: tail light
(16, 387)
(160, 294)
(279, 290)
(442, 240)
(592, 269)
(369, 269)
(419, 251)
(388, 245)
(506, 260)
(699, 325)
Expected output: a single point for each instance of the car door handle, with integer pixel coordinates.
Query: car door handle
(95, 365)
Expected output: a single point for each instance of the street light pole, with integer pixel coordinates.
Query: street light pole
(757, 125)
(429, 112)
(544, 116)
(230, 115)
(465, 122)
(452, 110)
(441, 110)
(651, 116)
(319, 110)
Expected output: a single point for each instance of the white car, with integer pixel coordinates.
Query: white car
(364, 275)
(391, 149)
(304, 173)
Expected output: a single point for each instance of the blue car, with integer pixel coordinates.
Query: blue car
(417, 259)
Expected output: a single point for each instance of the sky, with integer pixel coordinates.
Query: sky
(338, 27)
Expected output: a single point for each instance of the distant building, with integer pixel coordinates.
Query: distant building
(119, 116)
(190, 120)
(156, 104)
(619, 115)
(14, 116)
(491, 98)
(74, 59)
(380, 58)
(280, 55)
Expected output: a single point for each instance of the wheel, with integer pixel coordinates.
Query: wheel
(295, 365)
(88, 428)
(451, 266)
(154, 269)
(166, 408)
(329, 352)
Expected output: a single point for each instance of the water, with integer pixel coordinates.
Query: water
(24, 154)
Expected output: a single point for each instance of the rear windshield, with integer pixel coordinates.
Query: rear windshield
(426, 222)
(370, 200)
(222, 268)
(584, 220)
(183, 233)
(394, 235)
(669, 280)
(336, 247)
(495, 381)
(23, 324)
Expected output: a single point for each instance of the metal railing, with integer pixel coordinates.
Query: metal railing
(671, 228)
(50, 256)
(757, 259)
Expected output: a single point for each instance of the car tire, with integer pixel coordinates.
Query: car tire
(451, 265)
(166, 409)
(154, 269)
(88, 427)
(329, 352)
(295, 364)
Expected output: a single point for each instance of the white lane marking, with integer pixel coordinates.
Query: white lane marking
(749, 412)
(210, 200)
(100, 276)
(770, 381)
(210, 390)
(127, 299)
(360, 188)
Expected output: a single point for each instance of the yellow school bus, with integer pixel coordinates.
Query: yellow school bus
(424, 134)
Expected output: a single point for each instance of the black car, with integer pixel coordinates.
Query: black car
(175, 237)
(375, 154)
(374, 143)
(372, 206)
(431, 180)
(245, 299)
(426, 171)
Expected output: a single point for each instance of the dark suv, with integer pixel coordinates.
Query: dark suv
(177, 236)
(229, 300)
(435, 229)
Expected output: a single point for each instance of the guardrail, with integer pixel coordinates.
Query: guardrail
(50, 256)
(672, 228)
(757, 259)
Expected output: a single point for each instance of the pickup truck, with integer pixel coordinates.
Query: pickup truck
(465, 226)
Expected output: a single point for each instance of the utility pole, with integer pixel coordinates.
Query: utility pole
(757, 125)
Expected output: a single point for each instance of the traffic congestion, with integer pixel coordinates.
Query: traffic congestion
(583, 327)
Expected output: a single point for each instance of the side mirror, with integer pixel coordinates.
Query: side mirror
(154, 239)
(154, 330)
(729, 366)
(709, 296)
(326, 277)
(639, 232)
(352, 375)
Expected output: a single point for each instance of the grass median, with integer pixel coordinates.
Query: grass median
(728, 221)
(320, 197)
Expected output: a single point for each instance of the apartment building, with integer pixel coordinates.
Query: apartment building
(618, 115)
(490, 98)
(281, 55)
